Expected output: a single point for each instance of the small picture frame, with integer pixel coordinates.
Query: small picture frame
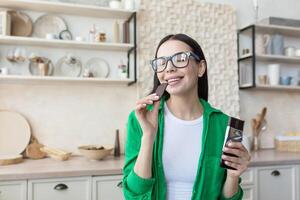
(5, 23)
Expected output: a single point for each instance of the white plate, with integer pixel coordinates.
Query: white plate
(98, 66)
(48, 24)
(14, 133)
(63, 68)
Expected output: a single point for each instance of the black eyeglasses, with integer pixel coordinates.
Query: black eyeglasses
(179, 60)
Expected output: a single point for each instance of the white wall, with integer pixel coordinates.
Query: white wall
(283, 107)
(275, 8)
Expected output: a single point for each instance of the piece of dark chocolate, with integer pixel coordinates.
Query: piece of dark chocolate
(160, 90)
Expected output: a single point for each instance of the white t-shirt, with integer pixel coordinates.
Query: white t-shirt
(181, 153)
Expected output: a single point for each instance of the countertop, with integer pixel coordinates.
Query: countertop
(273, 157)
(50, 168)
(81, 166)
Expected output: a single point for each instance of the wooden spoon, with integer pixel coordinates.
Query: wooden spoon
(33, 150)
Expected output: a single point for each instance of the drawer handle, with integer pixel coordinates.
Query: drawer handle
(61, 186)
(120, 184)
(275, 173)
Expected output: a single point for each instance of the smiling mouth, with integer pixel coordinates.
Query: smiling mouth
(174, 81)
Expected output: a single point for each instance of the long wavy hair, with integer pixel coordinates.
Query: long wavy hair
(202, 81)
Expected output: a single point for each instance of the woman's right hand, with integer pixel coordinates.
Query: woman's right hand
(148, 119)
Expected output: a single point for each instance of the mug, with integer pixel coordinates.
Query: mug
(285, 80)
(4, 71)
(263, 79)
(114, 4)
(50, 36)
(289, 51)
(43, 69)
(128, 4)
(79, 38)
(297, 52)
(273, 74)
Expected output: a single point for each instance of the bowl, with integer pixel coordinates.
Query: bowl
(95, 152)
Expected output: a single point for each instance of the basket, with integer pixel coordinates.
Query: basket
(287, 143)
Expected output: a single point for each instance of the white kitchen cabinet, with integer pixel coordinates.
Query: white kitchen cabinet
(107, 188)
(248, 193)
(13, 190)
(78, 188)
(277, 183)
(248, 184)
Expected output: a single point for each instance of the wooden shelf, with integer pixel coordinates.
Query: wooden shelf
(53, 79)
(278, 87)
(278, 58)
(14, 40)
(67, 8)
(273, 29)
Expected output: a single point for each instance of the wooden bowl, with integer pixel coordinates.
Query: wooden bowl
(95, 152)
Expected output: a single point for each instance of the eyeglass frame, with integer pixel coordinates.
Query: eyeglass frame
(169, 58)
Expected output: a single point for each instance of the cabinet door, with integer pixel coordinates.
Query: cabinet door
(248, 177)
(248, 192)
(78, 188)
(107, 188)
(277, 183)
(13, 190)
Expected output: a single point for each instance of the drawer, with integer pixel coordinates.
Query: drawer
(277, 183)
(13, 190)
(107, 188)
(248, 176)
(78, 188)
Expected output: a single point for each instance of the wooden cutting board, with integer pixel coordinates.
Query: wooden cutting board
(14, 133)
(10, 159)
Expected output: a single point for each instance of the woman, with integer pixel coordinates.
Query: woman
(174, 145)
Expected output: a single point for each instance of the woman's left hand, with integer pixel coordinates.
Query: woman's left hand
(240, 162)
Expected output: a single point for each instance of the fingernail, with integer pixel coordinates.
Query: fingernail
(230, 144)
(156, 97)
(223, 156)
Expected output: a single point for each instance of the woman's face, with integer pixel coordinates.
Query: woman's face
(180, 80)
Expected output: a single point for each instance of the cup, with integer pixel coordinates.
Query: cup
(263, 79)
(114, 4)
(297, 52)
(4, 71)
(79, 38)
(43, 69)
(286, 80)
(289, 51)
(51, 36)
(245, 51)
(128, 4)
(273, 74)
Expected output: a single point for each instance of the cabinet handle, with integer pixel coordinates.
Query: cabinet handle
(61, 186)
(120, 184)
(275, 173)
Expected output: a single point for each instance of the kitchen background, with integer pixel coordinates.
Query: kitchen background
(66, 113)
(86, 106)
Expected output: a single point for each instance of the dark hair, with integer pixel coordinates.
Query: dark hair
(202, 81)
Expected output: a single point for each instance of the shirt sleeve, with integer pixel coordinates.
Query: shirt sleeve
(237, 196)
(134, 186)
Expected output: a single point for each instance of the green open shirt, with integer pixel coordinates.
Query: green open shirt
(210, 176)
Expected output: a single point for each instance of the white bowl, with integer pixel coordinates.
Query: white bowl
(93, 152)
